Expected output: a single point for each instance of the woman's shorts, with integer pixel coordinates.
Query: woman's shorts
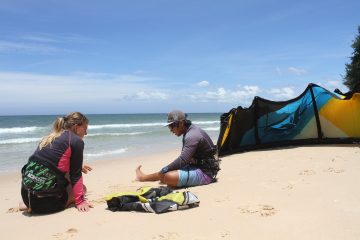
(44, 204)
(192, 176)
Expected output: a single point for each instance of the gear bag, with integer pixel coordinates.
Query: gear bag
(211, 165)
(148, 199)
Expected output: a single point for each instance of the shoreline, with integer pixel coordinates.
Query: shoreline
(302, 192)
(94, 163)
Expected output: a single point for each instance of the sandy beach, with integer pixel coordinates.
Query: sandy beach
(309, 192)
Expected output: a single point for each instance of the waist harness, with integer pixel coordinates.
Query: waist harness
(210, 165)
(42, 179)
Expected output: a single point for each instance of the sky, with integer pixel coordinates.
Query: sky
(153, 56)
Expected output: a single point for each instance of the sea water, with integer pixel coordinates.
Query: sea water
(110, 136)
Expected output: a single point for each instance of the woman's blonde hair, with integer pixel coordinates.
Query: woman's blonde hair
(61, 124)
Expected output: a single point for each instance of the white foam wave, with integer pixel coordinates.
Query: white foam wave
(212, 129)
(18, 130)
(130, 125)
(125, 125)
(206, 122)
(19, 140)
(103, 153)
(115, 134)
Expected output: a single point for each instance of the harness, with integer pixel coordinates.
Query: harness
(40, 179)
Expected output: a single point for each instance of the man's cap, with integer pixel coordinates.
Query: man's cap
(175, 116)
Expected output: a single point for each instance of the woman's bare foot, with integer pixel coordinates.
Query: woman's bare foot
(23, 207)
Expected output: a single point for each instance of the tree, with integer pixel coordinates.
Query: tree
(352, 77)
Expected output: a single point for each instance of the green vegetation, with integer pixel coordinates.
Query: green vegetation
(352, 77)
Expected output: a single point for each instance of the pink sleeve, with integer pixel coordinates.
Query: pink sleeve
(78, 191)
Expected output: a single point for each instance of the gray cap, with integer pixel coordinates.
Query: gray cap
(175, 116)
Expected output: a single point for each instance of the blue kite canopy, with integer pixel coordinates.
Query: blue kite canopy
(316, 116)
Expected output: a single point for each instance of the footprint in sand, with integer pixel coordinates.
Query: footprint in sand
(267, 210)
(12, 210)
(167, 236)
(289, 186)
(70, 233)
(225, 234)
(261, 210)
(307, 172)
(331, 169)
(220, 200)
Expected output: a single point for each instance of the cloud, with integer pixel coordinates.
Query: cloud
(42, 43)
(297, 71)
(285, 93)
(333, 84)
(40, 38)
(203, 84)
(102, 92)
(22, 47)
(80, 87)
(222, 95)
(146, 95)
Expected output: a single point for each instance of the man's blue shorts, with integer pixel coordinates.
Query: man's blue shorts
(192, 176)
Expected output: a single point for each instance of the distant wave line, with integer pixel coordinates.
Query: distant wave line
(212, 129)
(125, 125)
(115, 134)
(19, 140)
(19, 129)
(103, 153)
(129, 125)
(206, 122)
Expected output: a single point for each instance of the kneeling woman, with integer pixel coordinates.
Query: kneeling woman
(57, 161)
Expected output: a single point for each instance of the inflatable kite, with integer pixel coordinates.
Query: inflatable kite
(316, 116)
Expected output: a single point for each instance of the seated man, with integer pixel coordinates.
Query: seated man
(197, 164)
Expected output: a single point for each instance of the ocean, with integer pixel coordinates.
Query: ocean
(110, 136)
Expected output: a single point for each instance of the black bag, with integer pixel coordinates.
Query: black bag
(41, 178)
(210, 164)
(43, 187)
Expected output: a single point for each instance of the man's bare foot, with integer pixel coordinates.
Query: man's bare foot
(139, 174)
(23, 207)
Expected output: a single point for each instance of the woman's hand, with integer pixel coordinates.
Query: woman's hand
(84, 206)
(86, 168)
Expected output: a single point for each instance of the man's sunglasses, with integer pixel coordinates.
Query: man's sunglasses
(173, 125)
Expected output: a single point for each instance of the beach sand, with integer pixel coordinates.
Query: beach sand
(309, 192)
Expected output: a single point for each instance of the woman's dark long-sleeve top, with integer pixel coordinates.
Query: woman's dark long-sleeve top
(66, 154)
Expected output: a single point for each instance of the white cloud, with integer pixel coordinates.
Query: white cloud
(285, 93)
(6, 46)
(331, 85)
(146, 95)
(203, 84)
(41, 43)
(243, 95)
(334, 83)
(81, 87)
(40, 38)
(297, 71)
